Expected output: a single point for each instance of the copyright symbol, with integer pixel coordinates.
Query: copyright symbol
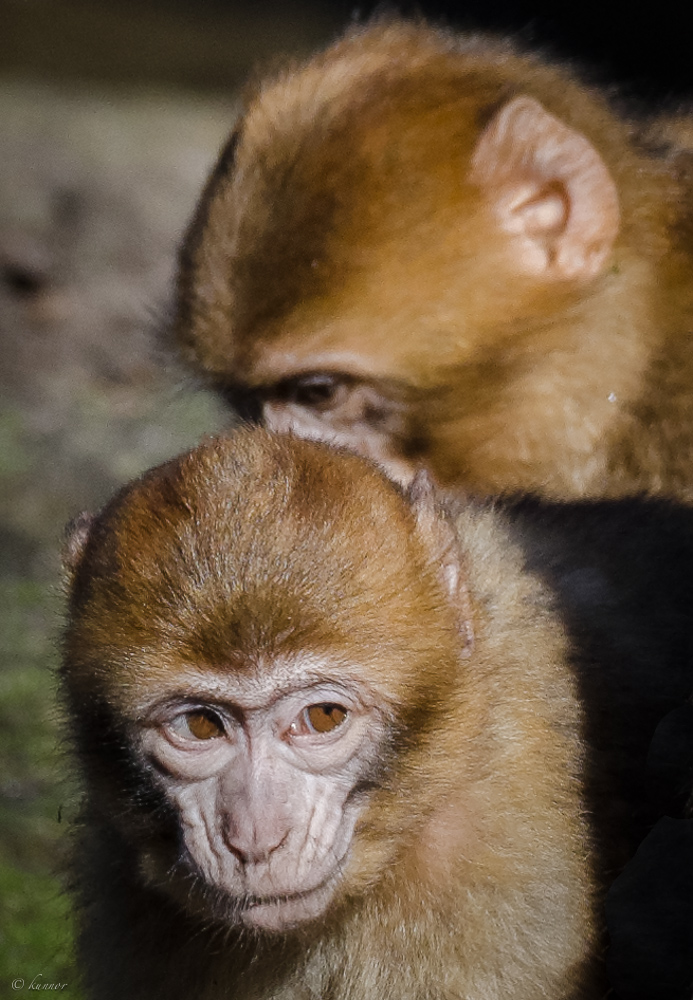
(18, 984)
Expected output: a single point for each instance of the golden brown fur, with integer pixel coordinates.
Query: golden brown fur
(349, 229)
(469, 875)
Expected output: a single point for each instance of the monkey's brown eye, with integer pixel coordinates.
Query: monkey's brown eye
(317, 391)
(200, 724)
(324, 718)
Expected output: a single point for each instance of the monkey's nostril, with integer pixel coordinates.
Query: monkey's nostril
(254, 847)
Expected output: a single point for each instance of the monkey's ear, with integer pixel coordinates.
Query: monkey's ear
(442, 543)
(75, 541)
(550, 189)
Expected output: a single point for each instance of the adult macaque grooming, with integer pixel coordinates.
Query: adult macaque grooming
(434, 249)
(330, 741)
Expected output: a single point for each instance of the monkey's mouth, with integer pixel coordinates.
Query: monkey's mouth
(282, 911)
(248, 902)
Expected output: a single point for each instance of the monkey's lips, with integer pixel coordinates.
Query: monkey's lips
(281, 912)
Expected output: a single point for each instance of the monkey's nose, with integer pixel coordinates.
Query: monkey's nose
(255, 845)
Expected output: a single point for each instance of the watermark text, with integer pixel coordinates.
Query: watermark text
(37, 983)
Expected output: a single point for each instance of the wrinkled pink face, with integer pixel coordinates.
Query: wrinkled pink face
(264, 773)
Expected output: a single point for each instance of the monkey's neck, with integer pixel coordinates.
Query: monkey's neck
(652, 451)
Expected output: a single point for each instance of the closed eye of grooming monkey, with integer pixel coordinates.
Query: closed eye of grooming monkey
(436, 250)
(330, 740)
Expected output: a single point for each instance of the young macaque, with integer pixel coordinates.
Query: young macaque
(436, 250)
(330, 738)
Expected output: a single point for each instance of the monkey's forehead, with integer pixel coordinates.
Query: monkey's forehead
(192, 603)
(346, 149)
(256, 542)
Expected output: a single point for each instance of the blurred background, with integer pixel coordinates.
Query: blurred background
(111, 114)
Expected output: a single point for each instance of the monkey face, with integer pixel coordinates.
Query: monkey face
(266, 784)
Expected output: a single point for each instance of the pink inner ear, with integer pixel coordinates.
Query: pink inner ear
(550, 187)
(546, 213)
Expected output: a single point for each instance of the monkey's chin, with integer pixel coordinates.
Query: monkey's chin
(275, 914)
